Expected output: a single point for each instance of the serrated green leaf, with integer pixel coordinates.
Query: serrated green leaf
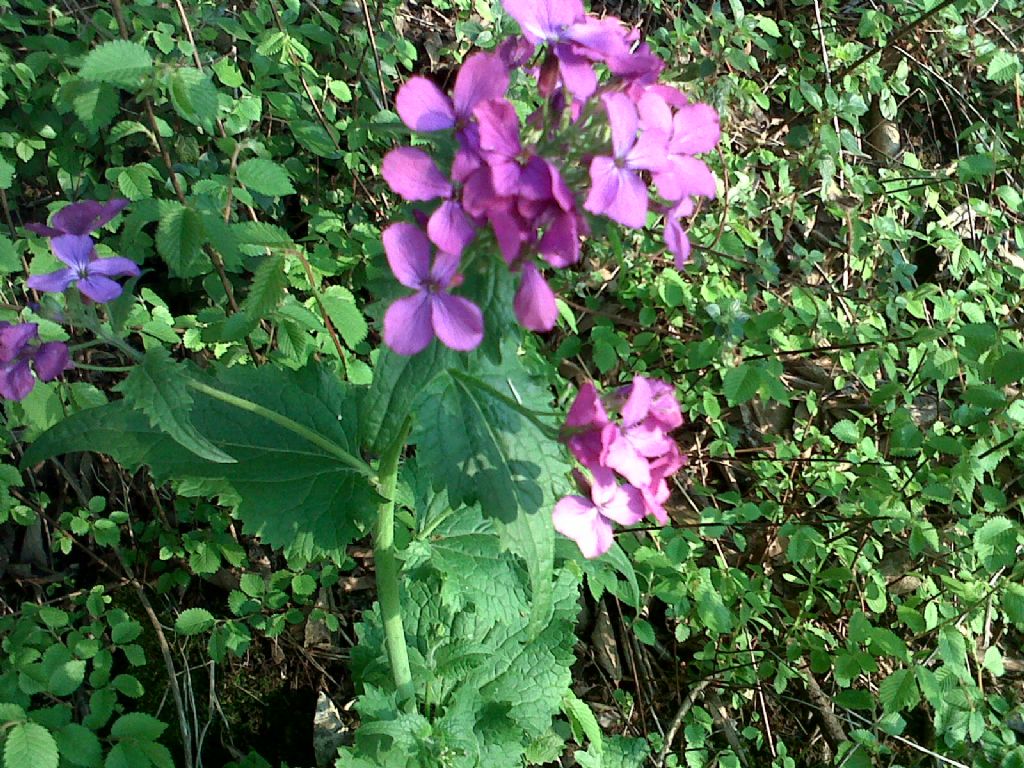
(846, 431)
(1013, 603)
(137, 725)
(1003, 67)
(136, 182)
(265, 177)
(157, 388)
(269, 283)
(96, 104)
(6, 174)
(194, 97)
(996, 542)
(294, 494)
(972, 167)
(29, 745)
(118, 62)
(79, 746)
(348, 320)
(583, 722)
(179, 239)
(9, 261)
(66, 678)
(261, 233)
(476, 442)
(128, 685)
(741, 383)
(193, 621)
(899, 691)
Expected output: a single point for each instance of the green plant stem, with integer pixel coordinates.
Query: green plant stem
(386, 563)
(283, 421)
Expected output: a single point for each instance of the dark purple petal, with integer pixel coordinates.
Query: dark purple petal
(499, 128)
(113, 266)
(98, 288)
(623, 121)
(560, 245)
(515, 51)
(408, 252)
(695, 129)
(73, 250)
(534, 302)
(51, 360)
(505, 174)
(617, 193)
(579, 519)
(407, 328)
(423, 106)
(559, 189)
(508, 233)
(52, 282)
(14, 338)
(543, 20)
(482, 77)
(82, 218)
(450, 229)
(458, 322)
(42, 229)
(414, 175)
(16, 380)
(641, 66)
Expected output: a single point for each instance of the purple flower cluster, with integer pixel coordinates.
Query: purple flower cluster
(17, 352)
(636, 449)
(590, 148)
(71, 243)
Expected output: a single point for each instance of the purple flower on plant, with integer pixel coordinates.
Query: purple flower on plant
(588, 521)
(616, 190)
(80, 218)
(425, 107)
(89, 273)
(412, 322)
(18, 356)
(638, 449)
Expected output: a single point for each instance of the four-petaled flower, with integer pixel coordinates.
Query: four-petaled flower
(588, 522)
(412, 322)
(89, 273)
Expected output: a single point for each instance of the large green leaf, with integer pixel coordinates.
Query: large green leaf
(292, 493)
(29, 745)
(119, 62)
(476, 441)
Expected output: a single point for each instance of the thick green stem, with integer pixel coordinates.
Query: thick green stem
(386, 563)
(283, 421)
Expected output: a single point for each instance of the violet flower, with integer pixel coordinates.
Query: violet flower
(616, 190)
(588, 522)
(89, 273)
(50, 360)
(425, 107)
(412, 322)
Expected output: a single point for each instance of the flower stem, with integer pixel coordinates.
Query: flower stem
(386, 563)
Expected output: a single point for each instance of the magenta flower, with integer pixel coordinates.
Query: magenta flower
(586, 419)
(412, 322)
(588, 522)
(80, 218)
(649, 413)
(425, 107)
(616, 190)
(89, 273)
(50, 360)
(576, 40)
(413, 174)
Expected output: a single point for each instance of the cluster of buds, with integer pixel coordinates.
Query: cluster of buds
(590, 148)
(636, 449)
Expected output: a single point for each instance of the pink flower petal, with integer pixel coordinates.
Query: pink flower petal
(408, 252)
(499, 128)
(423, 106)
(458, 322)
(535, 301)
(677, 242)
(578, 519)
(414, 175)
(623, 121)
(450, 229)
(407, 328)
(482, 77)
(696, 129)
(617, 193)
